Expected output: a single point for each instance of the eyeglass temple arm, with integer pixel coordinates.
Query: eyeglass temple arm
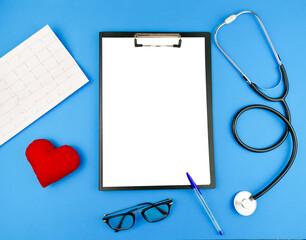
(159, 209)
(165, 200)
(126, 209)
(120, 223)
(152, 204)
(138, 205)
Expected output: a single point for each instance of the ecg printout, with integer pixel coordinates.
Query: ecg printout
(34, 77)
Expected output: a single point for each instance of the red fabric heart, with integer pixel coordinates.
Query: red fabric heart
(51, 164)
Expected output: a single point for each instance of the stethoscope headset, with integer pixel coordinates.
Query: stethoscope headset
(244, 202)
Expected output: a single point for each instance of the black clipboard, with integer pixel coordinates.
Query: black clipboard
(208, 75)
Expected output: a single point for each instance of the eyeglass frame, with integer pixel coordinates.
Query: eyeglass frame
(132, 212)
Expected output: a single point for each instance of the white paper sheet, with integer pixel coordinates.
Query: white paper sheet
(154, 114)
(34, 77)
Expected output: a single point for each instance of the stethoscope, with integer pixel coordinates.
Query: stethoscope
(244, 202)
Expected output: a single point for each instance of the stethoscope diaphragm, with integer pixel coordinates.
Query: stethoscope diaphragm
(244, 203)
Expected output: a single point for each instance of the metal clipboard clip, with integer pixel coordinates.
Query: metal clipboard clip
(158, 35)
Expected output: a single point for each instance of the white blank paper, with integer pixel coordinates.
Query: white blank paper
(34, 77)
(154, 114)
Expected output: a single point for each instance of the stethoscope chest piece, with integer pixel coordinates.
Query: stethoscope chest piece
(244, 203)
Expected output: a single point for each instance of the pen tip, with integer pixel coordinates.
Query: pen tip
(221, 233)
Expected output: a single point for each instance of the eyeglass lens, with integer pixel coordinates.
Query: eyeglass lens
(121, 222)
(157, 213)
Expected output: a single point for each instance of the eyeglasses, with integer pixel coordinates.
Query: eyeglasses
(152, 212)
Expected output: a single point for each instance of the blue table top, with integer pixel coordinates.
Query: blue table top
(72, 208)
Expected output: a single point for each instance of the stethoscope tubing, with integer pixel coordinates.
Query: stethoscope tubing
(280, 99)
(288, 129)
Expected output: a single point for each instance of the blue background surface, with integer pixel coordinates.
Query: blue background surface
(72, 208)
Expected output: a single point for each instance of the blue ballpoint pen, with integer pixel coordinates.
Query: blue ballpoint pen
(199, 194)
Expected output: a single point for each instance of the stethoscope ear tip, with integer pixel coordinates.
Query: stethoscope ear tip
(244, 203)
